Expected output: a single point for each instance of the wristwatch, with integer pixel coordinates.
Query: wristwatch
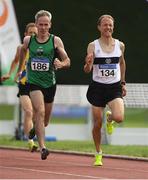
(123, 82)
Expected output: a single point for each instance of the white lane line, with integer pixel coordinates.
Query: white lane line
(50, 172)
(86, 165)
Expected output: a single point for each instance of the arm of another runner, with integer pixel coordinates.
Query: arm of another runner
(123, 69)
(64, 61)
(13, 65)
(22, 56)
(89, 58)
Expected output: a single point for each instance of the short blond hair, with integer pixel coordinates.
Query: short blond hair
(103, 16)
(43, 13)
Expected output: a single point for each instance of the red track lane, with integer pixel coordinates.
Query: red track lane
(18, 164)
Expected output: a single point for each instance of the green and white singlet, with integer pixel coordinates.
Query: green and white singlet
(40, 69)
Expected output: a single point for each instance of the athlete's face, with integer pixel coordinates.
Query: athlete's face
(43, 24)
(106, 27)
(31, 31)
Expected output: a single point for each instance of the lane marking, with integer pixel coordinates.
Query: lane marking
(50, 172)
(85, 165)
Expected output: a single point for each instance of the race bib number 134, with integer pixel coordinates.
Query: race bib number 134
(107, 70)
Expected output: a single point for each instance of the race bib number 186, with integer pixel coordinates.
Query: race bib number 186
(40, 65)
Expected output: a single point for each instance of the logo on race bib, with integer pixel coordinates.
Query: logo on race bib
(108, 60)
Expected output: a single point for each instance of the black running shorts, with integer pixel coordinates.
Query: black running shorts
(99, 94)
(48, 93)
(23, 89)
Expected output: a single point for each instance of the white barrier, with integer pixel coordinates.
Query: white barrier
(137, 95)
(129, 136)
(8, 95)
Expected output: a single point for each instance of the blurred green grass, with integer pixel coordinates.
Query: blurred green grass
(134, 117)
(81, 146)
(6, 111)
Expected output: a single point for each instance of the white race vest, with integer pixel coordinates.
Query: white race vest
(106, 68)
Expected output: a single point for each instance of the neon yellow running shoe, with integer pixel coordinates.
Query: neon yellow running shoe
(98, 160)
(32, 146)
(109, 125)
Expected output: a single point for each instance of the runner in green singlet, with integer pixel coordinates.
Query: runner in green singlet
(41, 72)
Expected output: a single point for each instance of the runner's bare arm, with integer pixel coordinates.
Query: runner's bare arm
(23, 52)
(123, 69)
(22, 56)
(89, 58)
(13, 65)
(122, 62)
(64, 61)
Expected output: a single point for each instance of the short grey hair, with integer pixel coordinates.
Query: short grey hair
(43, 13)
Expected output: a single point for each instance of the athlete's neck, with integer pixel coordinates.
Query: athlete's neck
(107, 44)
(107, 41)
(43, 38)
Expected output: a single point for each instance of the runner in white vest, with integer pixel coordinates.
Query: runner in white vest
(105, 57)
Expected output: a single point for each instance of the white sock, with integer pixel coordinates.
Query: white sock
(30, 140)
(100, 152)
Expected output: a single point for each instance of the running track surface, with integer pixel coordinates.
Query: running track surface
(18, 164)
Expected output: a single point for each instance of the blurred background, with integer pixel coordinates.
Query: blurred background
(75, 21)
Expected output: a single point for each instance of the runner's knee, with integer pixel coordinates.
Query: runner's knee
(118, 118)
